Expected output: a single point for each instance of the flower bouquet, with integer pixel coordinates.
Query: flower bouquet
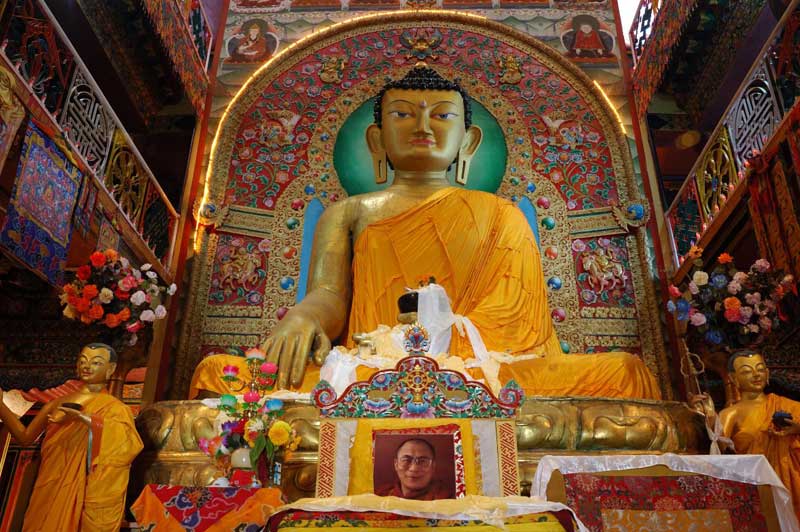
(732, 307)
(109, 292)
(251, 424)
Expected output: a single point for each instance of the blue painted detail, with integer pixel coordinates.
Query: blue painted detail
(564, 346)
(310, 218)
(529, 210)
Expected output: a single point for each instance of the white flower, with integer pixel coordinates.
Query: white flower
(161, 312)
(137, 274)
(106, 295)
(133, 339)
(147, 315)
(172, 289)
(124, 262)
(153, 290)
(146, 266)
(740, 277)
(152, 275)
(700, 278)
(138, 298)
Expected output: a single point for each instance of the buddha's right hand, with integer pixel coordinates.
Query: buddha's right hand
(295, 338)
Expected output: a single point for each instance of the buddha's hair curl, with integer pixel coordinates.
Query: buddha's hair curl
(423, 78)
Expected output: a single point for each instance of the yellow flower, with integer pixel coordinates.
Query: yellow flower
(279, 433)
(295, 443)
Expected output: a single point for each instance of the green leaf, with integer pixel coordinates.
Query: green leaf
(258, 447)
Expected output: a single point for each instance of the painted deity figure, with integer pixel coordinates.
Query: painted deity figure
(368, 248)
(761, 423)
(87, 451)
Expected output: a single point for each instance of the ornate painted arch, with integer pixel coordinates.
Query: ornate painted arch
(566, 155)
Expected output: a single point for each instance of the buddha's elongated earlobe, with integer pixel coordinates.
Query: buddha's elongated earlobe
(380, 165)
(472, 139)
(462, 168)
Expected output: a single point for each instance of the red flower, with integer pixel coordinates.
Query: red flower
(112, 321)
(124, 314)
(90, 291)
(84, 272)
(674, 291)
(69, 289)
(82, 305)
(134, 327)
(122, 294)
(98, 259)
(725, 259)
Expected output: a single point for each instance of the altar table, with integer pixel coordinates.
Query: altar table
(180, 508)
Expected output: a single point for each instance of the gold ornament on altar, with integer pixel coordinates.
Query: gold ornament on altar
(332, 69)
(511, 69)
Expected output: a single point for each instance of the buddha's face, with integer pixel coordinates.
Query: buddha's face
(750, 373)
(422, 130)
(94, 365)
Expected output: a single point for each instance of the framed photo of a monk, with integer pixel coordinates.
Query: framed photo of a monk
(422, 463)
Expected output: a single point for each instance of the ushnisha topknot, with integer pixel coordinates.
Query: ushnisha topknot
(422, 77)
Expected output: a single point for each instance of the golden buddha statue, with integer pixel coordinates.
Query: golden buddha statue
(87, 451)
(479, 247)
(760, 423)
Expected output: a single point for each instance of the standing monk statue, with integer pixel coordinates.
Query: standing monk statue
(479, 247)
(87, 451)
(761, 423)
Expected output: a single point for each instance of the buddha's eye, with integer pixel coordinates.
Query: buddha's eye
(445, 116)
(399, 114)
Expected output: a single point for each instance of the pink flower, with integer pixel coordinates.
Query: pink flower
(765, 323)
(255, 352)
(147, 315)
(745, 313)
(161, 312)
(251, 397)
(138, 298)
(134, 327)
(753, 328)
(761, 265)
(734, 287)
(128, 283)
(674, 291)
(230, 371)
(269, 368)
(697, 319)
(740, 277)
(753, 298)
(693, 288)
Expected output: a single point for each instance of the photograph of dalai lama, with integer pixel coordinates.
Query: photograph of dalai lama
(415, 467)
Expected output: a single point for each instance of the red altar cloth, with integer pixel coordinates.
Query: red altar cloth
(180, 508)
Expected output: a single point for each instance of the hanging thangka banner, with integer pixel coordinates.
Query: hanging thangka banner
(38, 226)
(85, 206)
(107, 237)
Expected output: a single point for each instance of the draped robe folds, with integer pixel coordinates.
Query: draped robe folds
(480, 248)
(66, 496)
(751, 435)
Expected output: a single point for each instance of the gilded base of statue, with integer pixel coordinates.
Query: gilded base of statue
(170, 430)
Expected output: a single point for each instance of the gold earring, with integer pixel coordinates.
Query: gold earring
(462, 168)
(380, 165)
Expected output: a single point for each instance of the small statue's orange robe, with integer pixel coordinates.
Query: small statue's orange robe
(480, 248)
(751, 436)
(71, 495)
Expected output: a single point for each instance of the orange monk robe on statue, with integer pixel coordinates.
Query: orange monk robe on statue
(751, 435)
(480, 248)
(71, 494)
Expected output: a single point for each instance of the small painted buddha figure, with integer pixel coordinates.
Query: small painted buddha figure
(87, 451)
(479, 247)
(762, 423)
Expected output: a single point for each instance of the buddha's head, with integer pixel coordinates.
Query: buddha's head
(96, 363)
(748, 371)
(423, 123)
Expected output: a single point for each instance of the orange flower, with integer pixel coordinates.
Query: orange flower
(124, 314)
(86, 319)
(695, 252)
(96, 312)
(112, 321)
(90, 291)
(73, 300)
(732, 303)
(725, 259)
(98, 259)
(111, 254)
(69, 289)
